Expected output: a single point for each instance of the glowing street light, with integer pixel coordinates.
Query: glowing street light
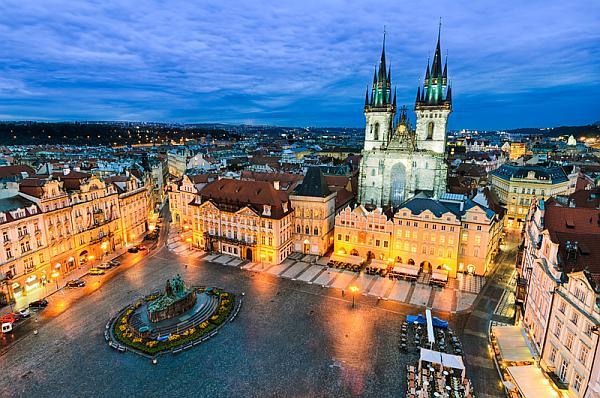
(353, 289)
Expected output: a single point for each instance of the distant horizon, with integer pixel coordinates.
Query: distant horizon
(296, 64)
(90, 121)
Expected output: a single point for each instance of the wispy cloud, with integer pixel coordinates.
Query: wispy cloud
(293, 63)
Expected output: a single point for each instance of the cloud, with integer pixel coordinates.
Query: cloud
(293, 63)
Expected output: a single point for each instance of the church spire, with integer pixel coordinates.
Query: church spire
(367, 97)
(436, 68)
(394, 103)
(436, 76)
(418, 93)
(381, 94)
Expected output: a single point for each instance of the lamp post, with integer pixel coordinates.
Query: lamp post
(353, 290)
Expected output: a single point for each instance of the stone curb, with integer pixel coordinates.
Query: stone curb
(114, 343)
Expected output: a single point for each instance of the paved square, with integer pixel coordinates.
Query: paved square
(290, 339)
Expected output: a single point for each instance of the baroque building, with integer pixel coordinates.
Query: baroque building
(397, 161)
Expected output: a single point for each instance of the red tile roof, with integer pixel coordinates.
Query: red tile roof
(232, 195)
(577, 231)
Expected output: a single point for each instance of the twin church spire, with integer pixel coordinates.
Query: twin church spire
(435, 91)
(381, 90)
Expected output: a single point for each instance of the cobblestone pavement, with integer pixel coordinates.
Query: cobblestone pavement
(290, 339)
(458, 295)
(293, 337)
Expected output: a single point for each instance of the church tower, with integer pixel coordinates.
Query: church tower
(433, 105)
(380, 107)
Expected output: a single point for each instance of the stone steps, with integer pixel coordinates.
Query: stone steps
(193, 321)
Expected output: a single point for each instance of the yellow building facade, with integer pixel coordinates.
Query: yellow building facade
(454, 234)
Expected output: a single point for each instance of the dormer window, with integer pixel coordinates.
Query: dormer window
(285, 207)
(266, 210)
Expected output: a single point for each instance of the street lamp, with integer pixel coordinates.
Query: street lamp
(353, 290)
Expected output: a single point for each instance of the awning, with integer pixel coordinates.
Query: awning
(430, 356)
(430, 334)
(346, 258)
(382, 264)
(453, 362)
(440, 275)
(512, 344)
(406, 269)
(531, 382)
(420, 319)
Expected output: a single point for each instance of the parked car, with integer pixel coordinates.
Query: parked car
(75, 283)
(114, 263)
(24, 313)
(96, 271)
(133, 249)
(43, 303)
(8, 318)
(105, 266)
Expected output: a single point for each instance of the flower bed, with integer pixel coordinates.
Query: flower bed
(124, 334)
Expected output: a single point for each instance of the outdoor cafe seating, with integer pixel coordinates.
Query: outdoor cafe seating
(438, 375)
(346, 261)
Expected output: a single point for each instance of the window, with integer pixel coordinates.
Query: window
(583, 354)
(28, 262)
(569, 341)
(339, 236)
(588, 329)
(377, 243)
(347, 238)
(479, 227)
(298, 229)
(9, 254)
(562, 307)
(316, 231)
(575, 317)
(564, 367)
(385, 243)
(5, 237)
(557, 328)
(376, 132)
(552, 354)
(577, 381)
(580, 294)
(430, 131)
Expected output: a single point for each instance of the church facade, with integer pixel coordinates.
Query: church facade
(398, 161)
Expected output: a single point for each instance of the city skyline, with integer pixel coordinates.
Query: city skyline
(294, 65)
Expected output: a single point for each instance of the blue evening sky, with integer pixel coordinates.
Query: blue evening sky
(512, 63)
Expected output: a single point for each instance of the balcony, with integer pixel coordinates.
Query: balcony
(21, 237)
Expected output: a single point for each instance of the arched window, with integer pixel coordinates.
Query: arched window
(298, 229)
(316, 231)
(307, 230)
(430, 131)
(376, 134)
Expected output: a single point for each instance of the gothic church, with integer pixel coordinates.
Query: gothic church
(397, 161)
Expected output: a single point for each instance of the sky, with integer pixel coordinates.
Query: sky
(512, 63)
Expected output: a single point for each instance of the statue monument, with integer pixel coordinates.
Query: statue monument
(175, 300)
